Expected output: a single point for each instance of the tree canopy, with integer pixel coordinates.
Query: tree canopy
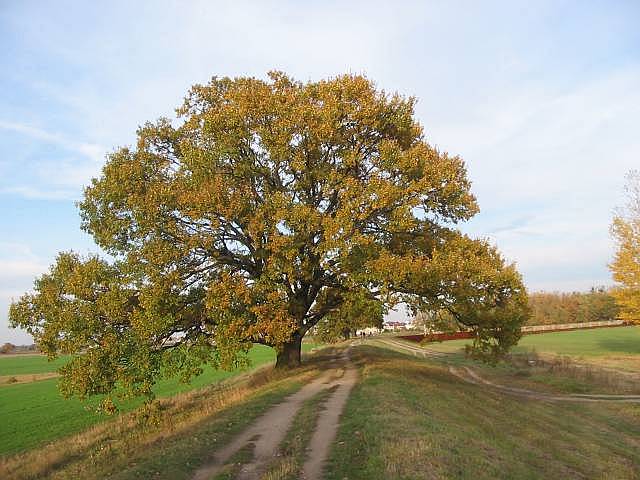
(264, 208)
(626, 263)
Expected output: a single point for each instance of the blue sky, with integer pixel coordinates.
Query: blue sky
(542, 99)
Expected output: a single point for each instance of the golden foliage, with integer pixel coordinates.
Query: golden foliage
(626, 263)
(266, 207)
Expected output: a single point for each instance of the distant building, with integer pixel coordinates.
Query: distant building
(393, 326)
(368, 331)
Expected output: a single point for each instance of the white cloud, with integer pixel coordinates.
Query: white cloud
(10, 270)
(544, 146)
(91, 151)
(35, 193)
(60, 179)
(17, 264)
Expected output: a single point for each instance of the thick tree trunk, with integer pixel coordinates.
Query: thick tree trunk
(289, 353)
(346, 333)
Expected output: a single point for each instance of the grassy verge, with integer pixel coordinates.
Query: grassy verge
(35, 413)
(232, 468)
(408, 418)
(26, 378)
(560, 375)
(581, 361)
(185, 431)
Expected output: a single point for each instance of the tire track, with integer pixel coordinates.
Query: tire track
(470, 376)
(267, 433)
(327, 426)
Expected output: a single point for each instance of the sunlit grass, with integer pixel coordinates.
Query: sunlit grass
(597, 342)
(409, 418)
(29, 363)
(34, 413)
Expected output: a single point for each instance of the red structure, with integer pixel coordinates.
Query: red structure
(437, 337)
(530, 330)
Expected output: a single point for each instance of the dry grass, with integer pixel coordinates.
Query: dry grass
(26, 378)
(409, 418)
(564, 370)
(286, 468)
(406, 458)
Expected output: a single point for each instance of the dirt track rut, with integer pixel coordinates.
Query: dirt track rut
(470, 376)
(267, 433)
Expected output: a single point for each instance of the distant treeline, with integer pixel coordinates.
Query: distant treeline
(577, 307)
(11, 348)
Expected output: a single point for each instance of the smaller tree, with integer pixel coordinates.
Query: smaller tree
(7, 348)
(360, 310)
(430, 321)
(626, 263)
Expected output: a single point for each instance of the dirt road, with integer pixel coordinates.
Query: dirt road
(267, 433)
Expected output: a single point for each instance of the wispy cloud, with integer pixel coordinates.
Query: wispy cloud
(91, 151)
(515, 225)
(53, 178)
(18, 261)
(34, 193)
(11, 270)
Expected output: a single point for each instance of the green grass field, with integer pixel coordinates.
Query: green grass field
(34, 413)
(597, 343)
(183, 436)
(29, 363)
(405, 417)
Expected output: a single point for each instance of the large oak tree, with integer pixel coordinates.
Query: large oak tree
(264, 208)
